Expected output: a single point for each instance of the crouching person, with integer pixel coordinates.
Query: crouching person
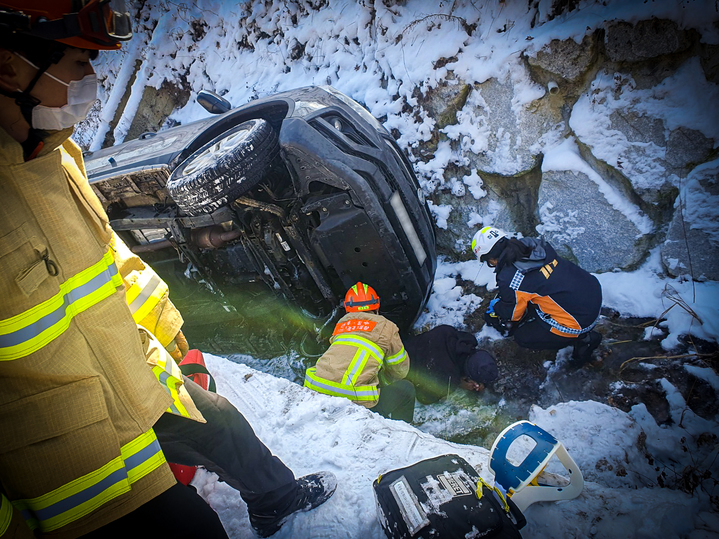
(444, 359)
(545, 302)
(366, 361)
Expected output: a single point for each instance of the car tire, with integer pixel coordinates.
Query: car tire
(227, 167)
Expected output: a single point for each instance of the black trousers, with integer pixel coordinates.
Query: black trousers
(179, 512)
(228, 446)
(396, 401)
(536, 335)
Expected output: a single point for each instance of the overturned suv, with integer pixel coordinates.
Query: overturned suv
(303, 190)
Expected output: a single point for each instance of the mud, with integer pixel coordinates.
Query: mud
(626, 370)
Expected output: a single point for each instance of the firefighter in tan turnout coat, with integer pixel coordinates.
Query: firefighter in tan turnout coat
(85, 425)
(366, 361)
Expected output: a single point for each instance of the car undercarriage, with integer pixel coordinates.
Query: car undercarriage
(304, 191)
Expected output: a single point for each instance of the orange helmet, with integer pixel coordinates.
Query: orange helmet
(361, 297)
(84, 24)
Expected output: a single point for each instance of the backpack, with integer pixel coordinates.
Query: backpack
(443, 498)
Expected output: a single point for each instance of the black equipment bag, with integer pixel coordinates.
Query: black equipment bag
(439, 498)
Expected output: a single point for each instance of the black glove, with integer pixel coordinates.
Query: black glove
(494, 321)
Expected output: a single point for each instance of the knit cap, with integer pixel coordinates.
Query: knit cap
(481, 367)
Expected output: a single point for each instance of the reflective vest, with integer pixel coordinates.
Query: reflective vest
(29, 331)
(366, 350)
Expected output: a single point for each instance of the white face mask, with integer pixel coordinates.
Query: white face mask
(81, 96)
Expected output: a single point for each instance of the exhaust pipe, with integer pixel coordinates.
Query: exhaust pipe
(213, 237)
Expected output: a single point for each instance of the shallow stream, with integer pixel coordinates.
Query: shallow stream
(252, 325)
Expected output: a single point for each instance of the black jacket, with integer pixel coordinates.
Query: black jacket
(564, 295)
(437, 363)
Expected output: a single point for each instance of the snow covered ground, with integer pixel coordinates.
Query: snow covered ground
(312, 432)
(625, 457)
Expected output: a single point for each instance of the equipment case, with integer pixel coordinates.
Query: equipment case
(443, 498)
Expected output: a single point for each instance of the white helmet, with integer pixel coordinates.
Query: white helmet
(485, 239)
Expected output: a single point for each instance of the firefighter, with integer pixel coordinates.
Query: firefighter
(366, 361)
(545, 302)
(81, 414)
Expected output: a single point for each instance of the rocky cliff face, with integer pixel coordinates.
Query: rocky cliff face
(639, 172)
(592, 140)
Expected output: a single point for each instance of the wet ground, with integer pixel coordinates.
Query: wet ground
(626, 370)
(255, 326)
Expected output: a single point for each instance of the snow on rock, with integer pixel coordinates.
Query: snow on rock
(693, 236)
(585, 236)
(629, 127)
(448, 303)
(503, 123)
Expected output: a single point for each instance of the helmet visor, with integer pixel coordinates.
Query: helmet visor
(105, 21)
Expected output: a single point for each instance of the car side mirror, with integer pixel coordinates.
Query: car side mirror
(212, 102)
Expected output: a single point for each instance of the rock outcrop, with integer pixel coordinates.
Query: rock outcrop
(593, 140)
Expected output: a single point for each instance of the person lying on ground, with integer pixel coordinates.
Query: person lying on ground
(444, 359)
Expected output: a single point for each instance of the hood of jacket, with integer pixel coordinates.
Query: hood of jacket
(538, 257)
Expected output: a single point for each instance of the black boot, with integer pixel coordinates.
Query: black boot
(587, 343)
(314, 490)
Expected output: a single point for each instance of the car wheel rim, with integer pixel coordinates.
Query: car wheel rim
(212, 153)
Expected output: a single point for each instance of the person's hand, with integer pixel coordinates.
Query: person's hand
(490, 309)
(470, 385)
(178, 348)
(495, 322)
(181, 341)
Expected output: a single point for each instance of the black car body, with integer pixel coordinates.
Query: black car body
(324, 200)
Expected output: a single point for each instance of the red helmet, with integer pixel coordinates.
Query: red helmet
(361, 297)
(84, 24)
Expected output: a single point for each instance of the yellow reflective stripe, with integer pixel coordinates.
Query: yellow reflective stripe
(142, 456)
(355, 368)
(501, 497)
(29, 331)
(397, 358)
(321, 385)
(170, 377)
(85, 494)
(5, 514)
(360, 342)
(144, 295)
(171, 383)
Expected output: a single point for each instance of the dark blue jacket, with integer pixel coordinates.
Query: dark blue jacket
(564, 295)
